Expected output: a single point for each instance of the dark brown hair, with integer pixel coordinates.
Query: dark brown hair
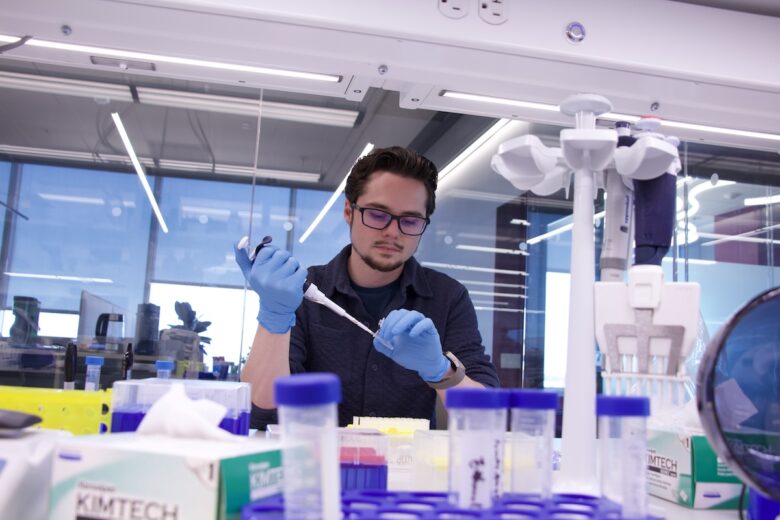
(398, 160)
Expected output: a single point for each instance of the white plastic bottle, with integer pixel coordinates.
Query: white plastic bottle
(532, 420)
(164, 368)
(623, 452)
(477, 425)
(94, 366)
(308, 422)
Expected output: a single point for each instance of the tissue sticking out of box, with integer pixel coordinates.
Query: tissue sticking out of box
(176, 415)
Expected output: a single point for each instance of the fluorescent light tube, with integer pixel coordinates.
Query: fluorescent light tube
(496, 284)
(367, 149)
(139, 170)
(470, 149)
(612, 116)
(503, 295)
(496, 309)
(558, 231)
(520, 222)
(56, 197)
(500, 250)
(60, 277)
(499, 101)
(117, 53)
(474, 268)
(693, 261)
(762, 201)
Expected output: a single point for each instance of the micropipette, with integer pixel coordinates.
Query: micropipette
(313, 294)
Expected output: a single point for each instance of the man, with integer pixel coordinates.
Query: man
(429, 320)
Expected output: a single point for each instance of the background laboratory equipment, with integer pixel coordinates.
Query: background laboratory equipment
(308, 421)
(622, 426)
(94, 365)
(147, 325)
(24, 330)
(164, 368)
(738, 396)
(477, 423)
(532, 425)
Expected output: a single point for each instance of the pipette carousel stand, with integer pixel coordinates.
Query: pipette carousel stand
(529, 165)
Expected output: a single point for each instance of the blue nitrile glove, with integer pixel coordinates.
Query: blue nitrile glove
(278, 278)
(416, 344)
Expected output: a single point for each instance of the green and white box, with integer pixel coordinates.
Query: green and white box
(683, 468)
(127, 476)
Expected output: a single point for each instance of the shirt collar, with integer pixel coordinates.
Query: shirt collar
(412, 276)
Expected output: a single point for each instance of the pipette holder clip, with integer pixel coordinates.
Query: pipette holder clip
(647, 329)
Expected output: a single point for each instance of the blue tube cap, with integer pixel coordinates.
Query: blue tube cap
(94, 361)
(622, 406)
(484, 398)
(164, 364)
(307, 389)
(533, 399)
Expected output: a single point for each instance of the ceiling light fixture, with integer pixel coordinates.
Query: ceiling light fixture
(496, 309)
(249, 107)
(165, 164)
(520, 222)
(336, 194)
(138, 169)
(178, 99)
(117, 53)
(693, 261)
(57, 197)
(742, 237)
(473, 268)
(612, 116)
(483, 249)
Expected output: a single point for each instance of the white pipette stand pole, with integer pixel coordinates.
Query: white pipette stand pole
(586, 149)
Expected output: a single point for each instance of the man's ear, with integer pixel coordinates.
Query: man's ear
(347, 211)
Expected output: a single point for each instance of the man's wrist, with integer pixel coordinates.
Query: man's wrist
(276, 323)
(449, 380)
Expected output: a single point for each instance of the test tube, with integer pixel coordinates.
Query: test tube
(623, 452)
(532, 422)
(308, 422)
(477, 425)
(92, 381)
(164, 368)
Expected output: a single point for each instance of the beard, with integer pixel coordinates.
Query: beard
(377, 266)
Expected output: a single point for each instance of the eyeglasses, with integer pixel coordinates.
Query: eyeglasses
(379, 219)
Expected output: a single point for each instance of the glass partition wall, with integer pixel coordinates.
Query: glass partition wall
(81, 239)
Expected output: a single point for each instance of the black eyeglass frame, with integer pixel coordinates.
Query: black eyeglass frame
(397, 218)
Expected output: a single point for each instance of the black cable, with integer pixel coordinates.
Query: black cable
(202, 138)
(12, 46)
(741, 505)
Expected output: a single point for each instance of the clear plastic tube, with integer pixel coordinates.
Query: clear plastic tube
(531, 442)
(623, 453)
(308, 423)
(92, 380)
(164, 368)
(477, 425)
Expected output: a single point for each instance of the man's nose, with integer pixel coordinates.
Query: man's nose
(394, 229)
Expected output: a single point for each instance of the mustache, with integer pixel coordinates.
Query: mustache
(399, 247)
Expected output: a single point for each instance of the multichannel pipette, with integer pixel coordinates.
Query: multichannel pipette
(313, 294)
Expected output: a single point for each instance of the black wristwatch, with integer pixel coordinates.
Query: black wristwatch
(454, 379)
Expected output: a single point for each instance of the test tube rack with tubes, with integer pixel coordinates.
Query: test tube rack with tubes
(378, 505)
(132, 399)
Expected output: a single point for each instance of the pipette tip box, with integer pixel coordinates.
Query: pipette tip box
(132, 399)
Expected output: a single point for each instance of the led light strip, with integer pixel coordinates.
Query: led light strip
(60, 277)
(103, 51)
(558, 231)
(473, 147)
(483, 249)
(474, 268)
(367, 149)
(139, 170)
(612, 116)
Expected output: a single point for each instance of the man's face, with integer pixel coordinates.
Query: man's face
(386, 249)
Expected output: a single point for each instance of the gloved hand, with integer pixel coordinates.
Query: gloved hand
(278, 278)
(415, 342)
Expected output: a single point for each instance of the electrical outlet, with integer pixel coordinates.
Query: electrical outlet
(493, 11)
(454, 8)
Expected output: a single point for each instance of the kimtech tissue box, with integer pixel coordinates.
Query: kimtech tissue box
(683, 468)
(127, 476)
